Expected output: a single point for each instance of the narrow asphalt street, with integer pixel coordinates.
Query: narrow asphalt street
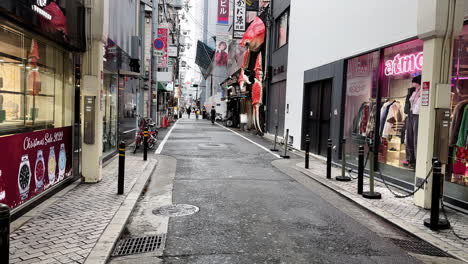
(251, 211)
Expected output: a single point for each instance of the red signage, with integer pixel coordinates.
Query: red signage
(35, 162)
(425, 93)
(162, 47)
(223, 12)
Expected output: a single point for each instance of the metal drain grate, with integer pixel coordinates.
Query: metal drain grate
(420, 247)
(138, 245)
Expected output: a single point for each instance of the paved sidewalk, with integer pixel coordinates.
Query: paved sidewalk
(67, 230)
(399, 211)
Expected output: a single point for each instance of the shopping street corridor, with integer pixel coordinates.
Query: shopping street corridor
(252, 211)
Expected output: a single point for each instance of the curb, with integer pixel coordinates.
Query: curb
(104, 246)
(410, 229)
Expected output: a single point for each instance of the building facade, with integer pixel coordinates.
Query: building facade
(373, 84)
(40, 47)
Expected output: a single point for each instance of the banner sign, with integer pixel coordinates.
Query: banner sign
(35, 162)
(223, 12)
(425, 93)
(239, 16)
(161, 47)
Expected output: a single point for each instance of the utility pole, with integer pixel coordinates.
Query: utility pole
(154, 63)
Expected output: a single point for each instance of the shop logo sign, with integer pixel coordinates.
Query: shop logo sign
(404, 64)
(41, 3)
(38, 9)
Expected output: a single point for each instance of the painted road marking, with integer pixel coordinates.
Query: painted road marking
(161, 146)
(251, 141)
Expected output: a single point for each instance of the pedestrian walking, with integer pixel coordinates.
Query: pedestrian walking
(203, 113)
(197, 112)
(189, 111)
(213, 114)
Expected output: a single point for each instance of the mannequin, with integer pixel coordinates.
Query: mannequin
(413, 102)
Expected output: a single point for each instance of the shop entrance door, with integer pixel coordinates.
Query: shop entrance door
(317, 112)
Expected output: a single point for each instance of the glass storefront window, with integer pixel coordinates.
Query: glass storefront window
(110, 100)
(398, 119)
(361, 86)
(458, 169)
(282, 29)
(35, 91)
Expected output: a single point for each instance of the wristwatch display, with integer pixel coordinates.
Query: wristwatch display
(51, 166)
(39, 170)
(62, 162)
(24, 177)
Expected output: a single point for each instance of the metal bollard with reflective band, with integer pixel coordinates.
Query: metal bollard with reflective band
(145, 144)
(120, 181)
(4, 233)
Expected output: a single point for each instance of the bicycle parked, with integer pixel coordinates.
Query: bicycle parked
(152, 133)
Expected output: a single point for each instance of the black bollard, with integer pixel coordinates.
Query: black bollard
(329, 158)
(145, 144)
(4, 233)
(360, 181)
(434, 222)
(285, 156)
(276, 136)
(371, 194)
(343, 176)
(307, 146)
(120, 181)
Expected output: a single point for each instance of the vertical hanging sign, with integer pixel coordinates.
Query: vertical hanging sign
(223, 12)
(425, 94)
(239, 18)
(160, 45)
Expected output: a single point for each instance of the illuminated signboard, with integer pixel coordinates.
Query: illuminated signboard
(402, 64)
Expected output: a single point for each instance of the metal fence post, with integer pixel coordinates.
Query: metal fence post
(434, 222)
(145, 144)
(329, 158)
(120, 180)
(307, 146)
(4, 233)
(276, 136)
(360, 180)
(371, 194)
(285, 156)
(343, 176)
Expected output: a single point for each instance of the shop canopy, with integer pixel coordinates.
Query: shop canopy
(165, 86)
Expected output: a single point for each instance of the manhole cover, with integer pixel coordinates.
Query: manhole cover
(420, 247)
(138, 245)
(176, 210)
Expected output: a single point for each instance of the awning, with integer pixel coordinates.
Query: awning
(129, 73)
(167, 87)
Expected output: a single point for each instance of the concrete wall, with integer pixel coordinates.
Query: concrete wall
(322, 32)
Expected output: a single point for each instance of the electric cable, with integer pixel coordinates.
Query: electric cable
(451, 226)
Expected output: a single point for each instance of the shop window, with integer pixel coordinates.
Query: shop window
(457, 171)
(361, 86)
(110, 117)
(399, 113)
(35, 92)
(282, 28)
